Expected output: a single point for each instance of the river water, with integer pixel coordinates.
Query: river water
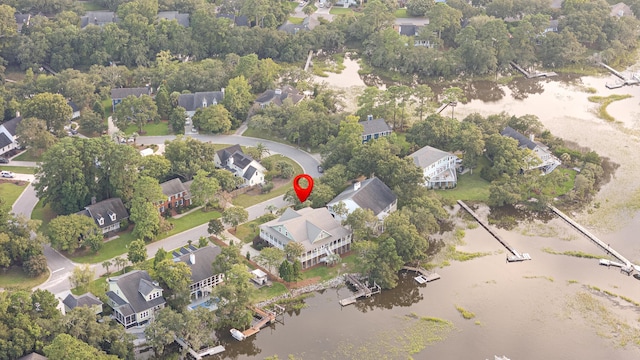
(552, 307)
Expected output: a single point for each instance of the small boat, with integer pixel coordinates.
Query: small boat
(237, 334)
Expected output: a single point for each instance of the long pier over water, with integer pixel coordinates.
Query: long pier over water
(516, 255)
(629, 266)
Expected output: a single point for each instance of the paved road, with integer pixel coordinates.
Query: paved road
(308, 162)
(60, 268)
(27, 200)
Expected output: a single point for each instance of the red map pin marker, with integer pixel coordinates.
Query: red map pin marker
(303, 193)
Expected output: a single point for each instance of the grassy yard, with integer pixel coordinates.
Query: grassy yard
(119, 246)
(295, 20)
(340, 11)
(326, 273)
(401, 13)
(90, 6)
(245, 200)
(44, 214)
(10, 192)
(262, 134)
(108, 109)
(26, 156)
(269, 292)
(150, 129)
(246, 232)
(19, 169)
(293, 5)
(567, 185)
(15, 278)
(470, 187)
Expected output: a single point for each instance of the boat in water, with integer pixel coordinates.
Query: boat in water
(237, 334)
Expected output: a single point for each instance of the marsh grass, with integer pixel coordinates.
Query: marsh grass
(604, 102)
(465, 313)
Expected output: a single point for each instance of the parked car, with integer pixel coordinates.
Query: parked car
(6, 174)
(4, 160)
(320, 169)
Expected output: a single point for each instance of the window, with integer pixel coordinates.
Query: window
(112, 216)
(100, 221)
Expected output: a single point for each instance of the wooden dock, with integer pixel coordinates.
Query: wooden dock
(425, 276)
(633, 80)
(516, 256)
(362, 290)
(532, 75)
(202, 353)
(442, 107)
(266, 317)
(628, 265)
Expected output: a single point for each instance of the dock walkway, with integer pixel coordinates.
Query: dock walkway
(265, 318)
(633, 80)
(532, 75)
(425, 275)
(362, 290)
(628, 265)
(516, 256)
(202, 353)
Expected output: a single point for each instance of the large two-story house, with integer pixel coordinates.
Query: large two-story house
(277, 97)
(203, 280)
(107, 214)
(134, 298)
(192, 102)
(240, 164)
(177, 195)
(118, 94)
(8, 138)
(371, 194)
(374, 129)
(438, 167)
(321, 235)
(548, 162)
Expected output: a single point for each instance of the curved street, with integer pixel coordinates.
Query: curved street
(61, 267)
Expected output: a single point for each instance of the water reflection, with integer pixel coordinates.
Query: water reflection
(407, 296)
(247, 349)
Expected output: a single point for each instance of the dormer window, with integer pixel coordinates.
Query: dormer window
(204, 103)
(112, 216)
(100, 221)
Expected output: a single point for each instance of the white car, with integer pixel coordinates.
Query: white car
(7, 174)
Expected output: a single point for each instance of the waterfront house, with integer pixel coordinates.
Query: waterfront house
(177, 195)
(203, 280)
(134, 298)
(118, 94)
(438, 167)
(277, 97)
(8, 138)
(374, 129)
(88, 299)
(548, 162)
(108, 214)
(371, 194)
(321, 235)
(240, 164)
(199, 100)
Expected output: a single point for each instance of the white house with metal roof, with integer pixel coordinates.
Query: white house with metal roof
(371, 194)
(240, 164)
(8, 138)
(548, 162)
(438, 167)
(321, 235)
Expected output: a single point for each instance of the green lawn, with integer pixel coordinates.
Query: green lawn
(90, 6)
(269, 292)
(245, 200)
(245, 232)
(19, 169)
(295, 20)
(293, 5)
(401, 13)
(119, 246)
(150, 129)
(327, 273)
(44, 214)
(10, 192)
(15, 278)
(470, 187)
(26, 156)
(567, 185)
(108, 107)
(340, 11)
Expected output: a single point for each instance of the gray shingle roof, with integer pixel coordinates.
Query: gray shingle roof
(104, 209)
(237, 20)
(523, 141)
(306, 227)
(408, 30)
(427, 156)
(73, 106)
(201, 269)
(182, 19)
(88, 299)
(192, 102)
(4, 140)
(98, 18)
(130, 284)
(226, 153)
(12, 124)
(241, 160)
(33, 356)
(374, 126)
(373, 194)
(285, 92)
(121, 93)
(172, 187)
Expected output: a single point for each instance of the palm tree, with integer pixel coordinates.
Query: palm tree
(262, 150)
(120, 262)
(106, 265)
(270, 208)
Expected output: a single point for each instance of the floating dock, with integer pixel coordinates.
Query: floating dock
(516, 256)
(362, 290)
(626, 266)
(202, 353)
(532, 75)
(425, 276)
(633, 80)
